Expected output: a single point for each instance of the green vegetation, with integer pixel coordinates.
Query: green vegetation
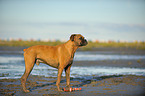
(28, 43)
(91, 45)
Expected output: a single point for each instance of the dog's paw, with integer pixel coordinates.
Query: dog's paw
(26, 91)
(60, 90)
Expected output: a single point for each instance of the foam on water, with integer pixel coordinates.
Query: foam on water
(45, 70)
(100, 71)
(10, 59)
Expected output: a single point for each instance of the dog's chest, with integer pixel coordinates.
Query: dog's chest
(70, 61)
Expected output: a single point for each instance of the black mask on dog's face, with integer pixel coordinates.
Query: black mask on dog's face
(78, 39)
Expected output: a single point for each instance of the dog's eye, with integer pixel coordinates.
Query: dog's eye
(80, 38)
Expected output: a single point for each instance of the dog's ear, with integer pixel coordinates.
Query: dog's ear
(72, 37)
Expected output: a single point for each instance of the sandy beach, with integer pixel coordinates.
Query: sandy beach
(112, 85)
(107, 85)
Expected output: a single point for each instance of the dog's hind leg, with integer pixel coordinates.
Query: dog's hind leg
(29, 64)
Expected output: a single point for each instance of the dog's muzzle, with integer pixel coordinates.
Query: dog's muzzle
(84, 42)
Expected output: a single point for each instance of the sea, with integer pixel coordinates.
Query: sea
(12, 65)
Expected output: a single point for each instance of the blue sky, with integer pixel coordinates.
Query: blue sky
(58, 19)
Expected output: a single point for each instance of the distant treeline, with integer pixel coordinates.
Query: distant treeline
(91, 45)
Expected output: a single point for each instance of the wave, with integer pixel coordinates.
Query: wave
(11, 59)
(76, 72)
(101, 71)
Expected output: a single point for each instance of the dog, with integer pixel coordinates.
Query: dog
(60, 57)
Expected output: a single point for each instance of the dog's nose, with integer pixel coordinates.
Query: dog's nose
(86, 42)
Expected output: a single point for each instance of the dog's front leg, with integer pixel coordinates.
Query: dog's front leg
(59, 78)
(67, 73)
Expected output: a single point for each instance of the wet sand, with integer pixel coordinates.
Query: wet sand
(100, 86)
(114, 85)
(140, 63)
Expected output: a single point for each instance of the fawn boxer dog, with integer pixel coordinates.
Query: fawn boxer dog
(60, 57)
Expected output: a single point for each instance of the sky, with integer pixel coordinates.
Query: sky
(58, 19)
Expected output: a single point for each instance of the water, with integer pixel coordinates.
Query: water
(12, 65)
(93, 56)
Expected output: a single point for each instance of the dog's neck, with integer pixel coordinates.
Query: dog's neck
(72, 47)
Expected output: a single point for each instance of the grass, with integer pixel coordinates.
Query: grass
(28, 43)
(91, 45)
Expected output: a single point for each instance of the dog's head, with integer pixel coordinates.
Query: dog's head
(78, 39)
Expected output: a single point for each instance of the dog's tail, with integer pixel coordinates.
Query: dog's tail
(24, 50)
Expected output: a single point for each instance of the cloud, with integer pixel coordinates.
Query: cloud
(122, 27)
(62, 30)
(44, 24)
(91, 26)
